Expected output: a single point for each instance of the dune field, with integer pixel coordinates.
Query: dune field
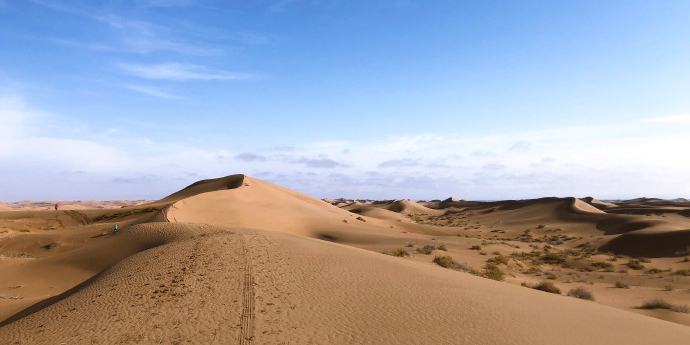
(237, 260)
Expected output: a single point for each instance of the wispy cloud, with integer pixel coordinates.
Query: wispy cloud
(151, 91)
(318, 163)
(671, 119)
(180, 72)
(250, 157)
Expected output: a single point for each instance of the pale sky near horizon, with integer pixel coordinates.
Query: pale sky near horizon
(334, 98)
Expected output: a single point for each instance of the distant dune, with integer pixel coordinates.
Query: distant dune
(237, 260)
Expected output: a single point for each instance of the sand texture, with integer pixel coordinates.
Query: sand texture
(237, 260)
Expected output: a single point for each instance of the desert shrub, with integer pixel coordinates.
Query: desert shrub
(541, 226)
(499, 259)
(602, 265)
(442, 247)
(654, 271)
(682, 273)
(635, 264)
(492, 271)
(621, 285)
(476, 248)
(553, 258)
(581, 293)
(25, 230)
(686, 259)
(344, 220)
(426, 249)
(551, 275)
(409, 244)
(399, 252)
(659, 303)
(361, 219)
(668, 287)
(548, 287)
(645, 260)
(446, 261)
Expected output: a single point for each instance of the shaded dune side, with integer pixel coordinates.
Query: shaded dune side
(94, 258)
(650, 243)
(204, 186)
(308, 291)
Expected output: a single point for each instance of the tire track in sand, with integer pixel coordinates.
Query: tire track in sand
(247, 319)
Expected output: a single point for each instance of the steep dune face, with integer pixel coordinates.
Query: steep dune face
(262, 205)
(204, 186)
(411, 207)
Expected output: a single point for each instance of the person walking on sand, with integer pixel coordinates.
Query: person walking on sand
(115, 227)
(56, 207)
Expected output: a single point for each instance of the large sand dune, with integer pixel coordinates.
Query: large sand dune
(240, 260)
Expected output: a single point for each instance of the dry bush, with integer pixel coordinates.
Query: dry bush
(476, 247)
(410, 244)
(548, 287)
(581, 293)
(442, 247)
(361, 219)
(492, 271)
(659, 303)
(602, 265)
(685, 273)
(635, 264)
(446, 261)
(399, 252)
(499, 259)
(621, 285)
(426, 249)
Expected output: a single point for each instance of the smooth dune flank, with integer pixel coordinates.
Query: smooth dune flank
(237, 260)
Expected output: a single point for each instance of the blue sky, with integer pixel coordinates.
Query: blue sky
(369, 99)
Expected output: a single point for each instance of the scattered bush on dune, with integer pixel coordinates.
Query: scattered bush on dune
(682, 273)
(635, 264)
(360, 219)
(446, 261)
(476, 248)
(399, 252)
(492, 271)
(499, 259)
(426, 249)
(621, 285)
(547, 287)
(442, 247)
(581, 293)
(659, 303)
(602, 265)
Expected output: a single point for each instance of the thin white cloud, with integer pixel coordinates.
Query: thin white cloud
(671, 119)
(180, 72)
(151, 91)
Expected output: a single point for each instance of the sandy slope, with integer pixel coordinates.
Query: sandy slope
(243, 261)
(191, 289)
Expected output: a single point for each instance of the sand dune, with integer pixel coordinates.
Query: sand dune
(240, 260)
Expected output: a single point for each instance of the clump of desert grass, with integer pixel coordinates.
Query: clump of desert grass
(620, 285)
(581, 293)
(400, 252)
(659, 303)
(635, 264)
(498, 260)
(492, 271)
(544, 286)
(446, 261)
(427, 249)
